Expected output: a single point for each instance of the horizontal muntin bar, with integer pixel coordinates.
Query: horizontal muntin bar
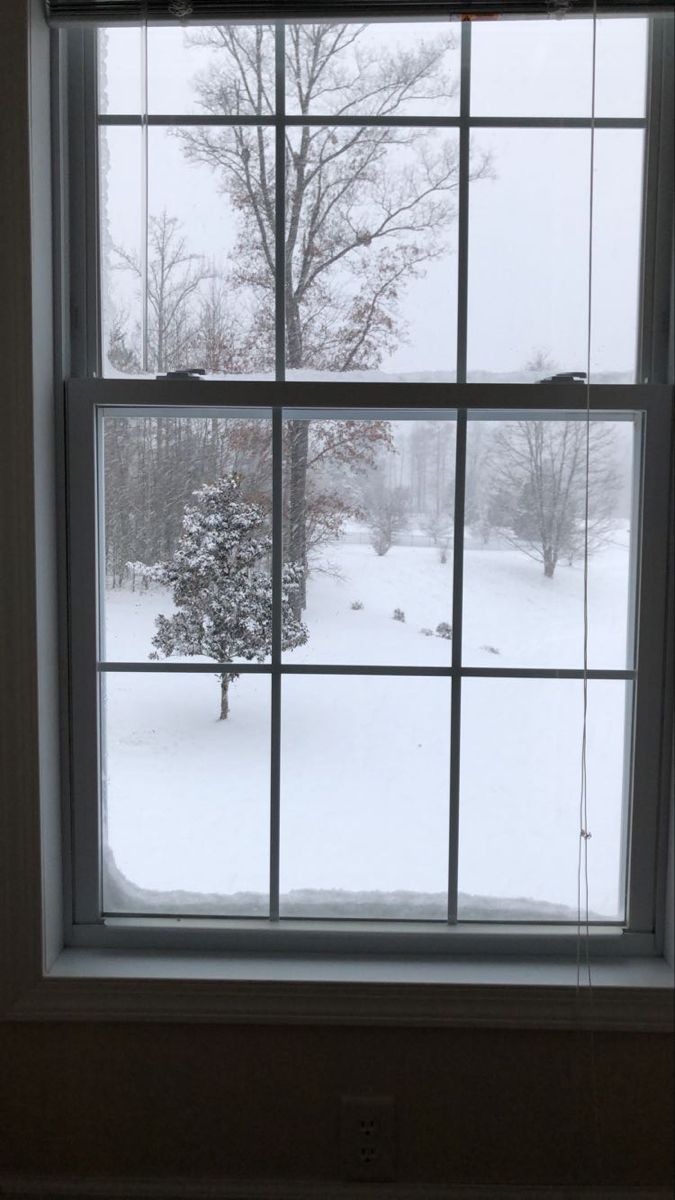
(446, 413)
(165, 668)
(327, 395)
(270, 120)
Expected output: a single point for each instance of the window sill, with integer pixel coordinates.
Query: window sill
(135, 985)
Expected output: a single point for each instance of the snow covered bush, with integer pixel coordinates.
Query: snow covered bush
(426, 632)
(356, 605)
(399, 614)
(444, 630)
(386, 513)
(221, 585)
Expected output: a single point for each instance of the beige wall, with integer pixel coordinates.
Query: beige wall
(93, 1099)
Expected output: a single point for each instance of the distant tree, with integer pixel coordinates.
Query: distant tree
(540, 360)
(174, 275)
(221, 585)
(386, 513)
(538, 499)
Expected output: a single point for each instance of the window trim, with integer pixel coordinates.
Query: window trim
(39, 979)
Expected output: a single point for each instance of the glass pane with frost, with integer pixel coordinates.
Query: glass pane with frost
(519, 801)
(524, 541)
(368, 537)
(120, 57)
(396, 69)
(213, 69)
(371, 265)
(185, 795)
(364, 797)
(121, 234)
(185, 564)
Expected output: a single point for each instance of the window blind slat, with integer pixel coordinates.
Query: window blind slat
(110, 12)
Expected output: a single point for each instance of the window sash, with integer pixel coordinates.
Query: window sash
(84, 398)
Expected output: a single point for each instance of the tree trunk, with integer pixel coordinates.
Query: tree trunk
(297, 468)
(549, 566)
(224, 701)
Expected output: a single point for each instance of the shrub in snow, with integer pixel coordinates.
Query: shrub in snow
(221, 585)
(357, 605)
(386, 512)
(427, 632)
(444, 630)
(399, 614)
(490, 649)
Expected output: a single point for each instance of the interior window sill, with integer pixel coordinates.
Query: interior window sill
(141, 985)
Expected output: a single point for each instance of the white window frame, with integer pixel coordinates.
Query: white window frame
(285, 982)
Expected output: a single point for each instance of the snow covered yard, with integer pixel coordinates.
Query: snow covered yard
(365, 763)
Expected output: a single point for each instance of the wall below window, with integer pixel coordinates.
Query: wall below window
(502, 1107)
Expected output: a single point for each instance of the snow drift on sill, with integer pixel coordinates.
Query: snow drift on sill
(123, 896)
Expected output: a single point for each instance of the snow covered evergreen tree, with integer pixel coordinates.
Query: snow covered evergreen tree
(222, 587)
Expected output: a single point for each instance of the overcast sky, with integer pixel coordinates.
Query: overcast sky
(528, 239)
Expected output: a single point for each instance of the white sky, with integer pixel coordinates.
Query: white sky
(528, 239)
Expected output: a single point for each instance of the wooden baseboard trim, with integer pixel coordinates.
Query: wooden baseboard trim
(61, 1188)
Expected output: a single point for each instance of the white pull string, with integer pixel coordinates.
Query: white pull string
(583, 920)
(584, 831)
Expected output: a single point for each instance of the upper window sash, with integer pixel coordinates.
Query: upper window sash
(86, 355)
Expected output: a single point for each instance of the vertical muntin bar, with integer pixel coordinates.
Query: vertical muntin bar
(280, 201)
(277, 576)
(456, 686)
(463, 202)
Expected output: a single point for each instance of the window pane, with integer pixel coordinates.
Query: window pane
(369, 509)
(621, 75)
(121, 250)
(528, 255)
(396, 69)
(120, 53)
(185, 796)
(531, 68)
(205, 262)
(186, 561)
(364, 799)
(520, 789)
(371, 237)
(617, 235)
(544, 68)
(211, 69)
(524, 542)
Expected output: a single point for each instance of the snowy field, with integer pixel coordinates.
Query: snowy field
(365, 763)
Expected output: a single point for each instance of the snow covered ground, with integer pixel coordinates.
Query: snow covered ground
(365, 763)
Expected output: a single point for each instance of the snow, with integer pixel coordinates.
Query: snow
(365, 770)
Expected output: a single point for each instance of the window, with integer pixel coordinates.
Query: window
(327, 601)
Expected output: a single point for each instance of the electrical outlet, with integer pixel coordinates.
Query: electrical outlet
(367, 1137)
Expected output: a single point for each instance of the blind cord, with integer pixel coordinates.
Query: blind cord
(584, 831)
(583, 916)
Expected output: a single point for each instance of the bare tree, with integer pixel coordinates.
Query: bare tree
(174, 275)
(367, 205)
(538, 499)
